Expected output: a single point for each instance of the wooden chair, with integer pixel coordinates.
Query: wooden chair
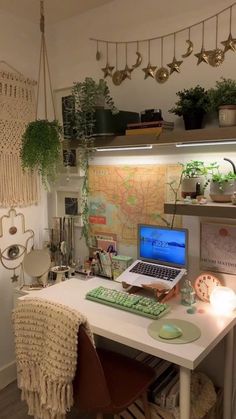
(106, 382)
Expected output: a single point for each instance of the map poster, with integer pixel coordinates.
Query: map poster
(120, 197)
(218, 247)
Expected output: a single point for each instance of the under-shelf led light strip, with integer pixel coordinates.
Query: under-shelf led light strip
(143, 147)
(206, 143)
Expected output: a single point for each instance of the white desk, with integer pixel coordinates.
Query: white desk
(131, 330)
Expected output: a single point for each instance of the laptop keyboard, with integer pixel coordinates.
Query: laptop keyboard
(156, 271)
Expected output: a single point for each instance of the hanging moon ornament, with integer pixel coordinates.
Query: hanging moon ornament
(138, 61)
(98, 55)
(162, 75)
(189, 50)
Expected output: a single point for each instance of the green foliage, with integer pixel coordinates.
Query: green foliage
(196, 168)
(86, 96)
(224, 93)
(191, 101)
(41, 148)
(224, 178)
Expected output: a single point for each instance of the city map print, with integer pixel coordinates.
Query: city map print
(123, 196)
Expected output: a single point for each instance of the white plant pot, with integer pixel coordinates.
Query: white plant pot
(227, 116)
(222, 192)
(189, 186)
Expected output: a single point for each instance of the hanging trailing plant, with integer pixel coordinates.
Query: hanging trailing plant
(86, 96)
(41, 142)
(41, 148)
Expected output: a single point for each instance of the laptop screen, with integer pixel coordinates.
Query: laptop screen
(163, 245)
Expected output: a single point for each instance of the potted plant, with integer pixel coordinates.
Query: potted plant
(223, 185)
(41, 149)
(192, 105)
(86, 97)
(223, 100)
(194, 178)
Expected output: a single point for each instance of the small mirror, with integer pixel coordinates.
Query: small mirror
(37, 264)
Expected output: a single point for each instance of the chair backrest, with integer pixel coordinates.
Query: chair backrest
(89, 385)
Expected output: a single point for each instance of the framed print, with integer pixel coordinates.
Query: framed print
(218, 247)
(64, 108)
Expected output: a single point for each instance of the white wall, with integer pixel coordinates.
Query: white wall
(19, 45)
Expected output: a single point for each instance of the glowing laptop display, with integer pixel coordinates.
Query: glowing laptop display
(162, 256)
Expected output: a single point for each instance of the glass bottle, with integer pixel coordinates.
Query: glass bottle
(187, 293)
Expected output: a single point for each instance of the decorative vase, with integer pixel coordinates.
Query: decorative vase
(227, 116)
(193, 120)
(222, 192)
(192, 186)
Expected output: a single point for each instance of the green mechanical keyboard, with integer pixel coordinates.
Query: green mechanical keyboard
(144, 306)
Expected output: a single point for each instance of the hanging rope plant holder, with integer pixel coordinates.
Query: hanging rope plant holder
(41, 142)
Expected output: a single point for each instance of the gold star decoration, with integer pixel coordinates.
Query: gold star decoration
(174, 66)
(149, 71)
(202, 56)
(229, 44)
(126, 73)
(107, 70)
(14, 277)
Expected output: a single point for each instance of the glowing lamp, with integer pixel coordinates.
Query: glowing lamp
(223, 300)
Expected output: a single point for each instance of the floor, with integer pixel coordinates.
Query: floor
(11, 406)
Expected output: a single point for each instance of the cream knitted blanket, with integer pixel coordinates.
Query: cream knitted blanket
(46, 355)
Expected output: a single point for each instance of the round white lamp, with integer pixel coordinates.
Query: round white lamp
(223, 300)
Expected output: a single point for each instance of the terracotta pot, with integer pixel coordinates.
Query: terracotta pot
(222, 192)
(227, 116)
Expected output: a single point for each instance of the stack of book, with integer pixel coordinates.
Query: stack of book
(153, 127)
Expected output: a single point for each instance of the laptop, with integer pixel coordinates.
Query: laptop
(162, 257)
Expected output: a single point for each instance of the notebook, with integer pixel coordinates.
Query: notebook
(162, 257)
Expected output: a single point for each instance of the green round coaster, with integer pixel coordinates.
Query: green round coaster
(190, 331)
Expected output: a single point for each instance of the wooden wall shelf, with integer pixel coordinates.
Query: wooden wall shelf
(166, 138)
(211, 209)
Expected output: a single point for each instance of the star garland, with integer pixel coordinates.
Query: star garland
(161, 74)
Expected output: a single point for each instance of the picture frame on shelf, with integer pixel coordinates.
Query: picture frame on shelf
(218, 247)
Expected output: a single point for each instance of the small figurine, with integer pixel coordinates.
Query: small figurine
(187, 294)
(233, 198)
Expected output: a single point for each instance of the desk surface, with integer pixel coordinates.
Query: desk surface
(131, 329)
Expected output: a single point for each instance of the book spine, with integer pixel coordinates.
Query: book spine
(156, 130)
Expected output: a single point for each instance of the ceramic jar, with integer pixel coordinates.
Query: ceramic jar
(227, 115)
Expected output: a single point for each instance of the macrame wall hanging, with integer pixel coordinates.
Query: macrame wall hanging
(17, 108)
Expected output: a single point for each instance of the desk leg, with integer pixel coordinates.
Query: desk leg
(185, 382)
(228, 374)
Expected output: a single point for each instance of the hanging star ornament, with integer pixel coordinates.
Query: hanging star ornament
(149, 71)
(175, 66)
(127, 72)
(202, 56)
(229, 44)
(107, 70)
